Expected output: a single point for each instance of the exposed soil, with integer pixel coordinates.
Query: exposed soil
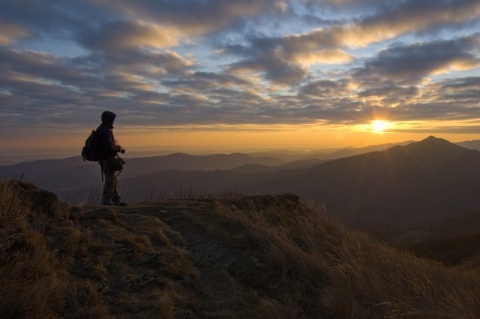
(220, 294)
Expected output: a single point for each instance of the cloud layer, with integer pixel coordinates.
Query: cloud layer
(229, 62)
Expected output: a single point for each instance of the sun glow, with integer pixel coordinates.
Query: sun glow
(378, 126)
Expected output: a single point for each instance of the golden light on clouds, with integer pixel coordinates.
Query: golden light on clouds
(149, 34)
(327, 56)
(10, 32)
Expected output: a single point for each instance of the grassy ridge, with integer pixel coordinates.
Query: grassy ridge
(67, 262)
(323, 268)
(274, 257)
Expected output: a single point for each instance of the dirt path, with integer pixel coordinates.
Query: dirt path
(219, 294)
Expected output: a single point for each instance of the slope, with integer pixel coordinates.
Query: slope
(243, 257)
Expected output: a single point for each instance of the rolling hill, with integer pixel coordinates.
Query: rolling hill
(65, 176)
(421, 183)
(418, 184)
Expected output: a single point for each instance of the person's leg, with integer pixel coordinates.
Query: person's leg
(115, 195)
(108, 187)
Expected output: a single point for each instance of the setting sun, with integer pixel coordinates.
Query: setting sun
(378, 126)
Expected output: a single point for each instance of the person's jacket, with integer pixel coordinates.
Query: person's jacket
(108, 145)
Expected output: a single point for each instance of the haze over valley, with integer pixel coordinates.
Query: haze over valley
(407, 184)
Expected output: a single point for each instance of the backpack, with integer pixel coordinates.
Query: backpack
(91, 151)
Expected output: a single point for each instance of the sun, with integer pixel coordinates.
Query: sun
(378, 126)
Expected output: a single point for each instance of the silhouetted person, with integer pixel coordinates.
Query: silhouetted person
(110, 162)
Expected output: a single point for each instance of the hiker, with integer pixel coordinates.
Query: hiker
(110, 163)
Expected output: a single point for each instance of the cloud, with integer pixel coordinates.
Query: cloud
(273, 68)
(174, 63)
(287, 59)
(324, 88)
(410, 63)
(11, 32)
(128, 35)
(393, 19)
(191, 17)
(44, 19)
(390, 20)
(67, 86)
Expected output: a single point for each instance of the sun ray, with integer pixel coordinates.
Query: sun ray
(378, 126)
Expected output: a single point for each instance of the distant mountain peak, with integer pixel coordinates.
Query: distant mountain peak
(438, 142)
(433, 152)
(433, 139)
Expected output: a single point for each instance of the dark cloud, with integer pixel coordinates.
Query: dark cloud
(324, 88)
(192, 17)
(410, 63)
(390, 91)
(469, 82)
(273, 68)
(118, 36)
(61, 20)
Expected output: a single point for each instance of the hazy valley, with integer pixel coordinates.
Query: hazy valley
(405, 185)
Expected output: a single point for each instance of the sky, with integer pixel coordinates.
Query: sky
(238, 75)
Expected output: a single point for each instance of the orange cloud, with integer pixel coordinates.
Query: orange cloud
(127, 35)
(10, 32)
(327, 56)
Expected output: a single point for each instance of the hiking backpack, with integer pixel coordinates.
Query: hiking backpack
(91, 151)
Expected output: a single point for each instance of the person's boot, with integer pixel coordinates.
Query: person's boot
(116, 199)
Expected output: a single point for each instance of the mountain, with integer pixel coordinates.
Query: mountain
(180, 161)
(351, 151)
(326, 154)
(453, 242)
(70, 174)
(421, 183)
(474, 145)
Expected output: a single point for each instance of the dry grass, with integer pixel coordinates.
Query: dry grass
(450, 251)
(321, 267)
(12, 209)
(72, 262)
(32, 280)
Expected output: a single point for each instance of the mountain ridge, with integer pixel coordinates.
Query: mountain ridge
(417, 183)
(397, 181)
(420, 183)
